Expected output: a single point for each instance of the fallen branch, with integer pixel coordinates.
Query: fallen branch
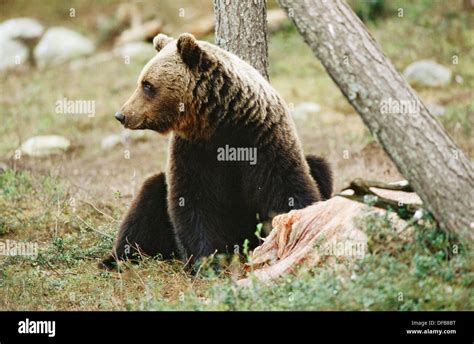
(362, 188)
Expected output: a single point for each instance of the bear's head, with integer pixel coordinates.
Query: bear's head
(163, 99)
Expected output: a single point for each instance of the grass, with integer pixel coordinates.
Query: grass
(419, 269)
(27, 204)
(71, 205)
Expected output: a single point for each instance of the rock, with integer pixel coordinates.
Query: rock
(136, 49)
(17, 37)
(459, 79)
(126, 135)
(59, 45)
(40, 146)
(427, 73)
(110, 141)
(3, 167)
(135, 135)
(21, 28)
(276, 19)
(436, 109)
(12, 53)
(302, 110)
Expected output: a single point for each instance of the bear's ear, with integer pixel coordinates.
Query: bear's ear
(160, 41)
(191, 53)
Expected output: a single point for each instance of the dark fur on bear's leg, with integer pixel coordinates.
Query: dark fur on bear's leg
(321, 173)
(147, 227)
(206, 202)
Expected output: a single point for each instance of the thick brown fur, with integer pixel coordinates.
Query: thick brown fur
(210, 99)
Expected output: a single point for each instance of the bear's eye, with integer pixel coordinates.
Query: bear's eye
(148, 88)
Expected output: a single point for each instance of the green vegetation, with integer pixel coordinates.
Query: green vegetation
(419, 269)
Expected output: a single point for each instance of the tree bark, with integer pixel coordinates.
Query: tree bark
(435, 167)
(311, 236)
(241, 28)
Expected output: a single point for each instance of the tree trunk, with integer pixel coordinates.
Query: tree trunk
(241, 28)
(468, 5)
(436, 168)
(312, 236)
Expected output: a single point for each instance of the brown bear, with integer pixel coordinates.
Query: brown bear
(234, 158)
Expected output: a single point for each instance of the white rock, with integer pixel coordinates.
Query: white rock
(3, 167)
(427, 73)
(12, 53)
(59, 45)
(126, 135)
(276, 18)
(436, 109)
(418, 214)
(302, 110)
(23, 28)
(134, 135)
(110, 141)
(39, 146)
(136, 49)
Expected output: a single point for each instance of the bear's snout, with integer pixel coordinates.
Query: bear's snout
(119, 116)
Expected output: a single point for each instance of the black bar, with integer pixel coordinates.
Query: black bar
(315, 327)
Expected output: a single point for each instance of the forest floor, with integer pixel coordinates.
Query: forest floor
(71, 205)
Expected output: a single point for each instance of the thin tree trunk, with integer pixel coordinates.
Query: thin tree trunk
(436, 168)
(241, 28)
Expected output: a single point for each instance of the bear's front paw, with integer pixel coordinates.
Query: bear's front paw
(110, 263)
